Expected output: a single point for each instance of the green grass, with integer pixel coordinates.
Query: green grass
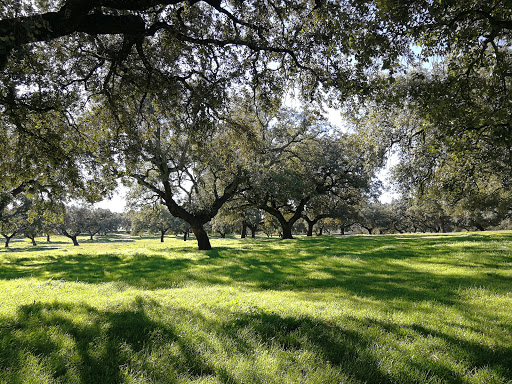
(381, 309)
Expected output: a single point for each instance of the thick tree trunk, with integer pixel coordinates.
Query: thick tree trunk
(287, 231)
(33, 241)
(243, 235)
(310, 228)
(75, 241)
(342, 230)
(203, 242)
(253, 230)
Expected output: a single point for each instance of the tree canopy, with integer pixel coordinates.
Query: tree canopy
(86, 84)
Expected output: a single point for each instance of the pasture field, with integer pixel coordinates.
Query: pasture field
(360, 309)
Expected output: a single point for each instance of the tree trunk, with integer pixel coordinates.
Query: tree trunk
(185, 235)
(253, 230)
(47, 237)
(311, 224)
(203, 242)
(75, 241)
(244, 230)
(320, 231)
(287, 231)
(342, 230)
(162, 233)
(8, 239)
(33, 241)
(222, 234)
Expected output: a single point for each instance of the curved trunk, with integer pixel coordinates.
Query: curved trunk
(203, 242)
(33, 241)
(75, 241)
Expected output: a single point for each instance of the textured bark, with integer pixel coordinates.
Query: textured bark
(243, 235)
(203, 242)
(287, 231)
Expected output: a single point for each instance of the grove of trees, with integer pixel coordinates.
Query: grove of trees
(190, 101)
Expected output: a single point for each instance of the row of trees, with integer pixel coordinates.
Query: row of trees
(32, 218)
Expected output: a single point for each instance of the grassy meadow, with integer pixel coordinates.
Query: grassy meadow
(359, 309)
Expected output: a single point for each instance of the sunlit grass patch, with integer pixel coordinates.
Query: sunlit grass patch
(380, 309)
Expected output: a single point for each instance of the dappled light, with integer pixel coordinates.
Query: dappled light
(394, 309)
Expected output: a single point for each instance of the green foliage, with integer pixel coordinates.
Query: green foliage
(394, 309)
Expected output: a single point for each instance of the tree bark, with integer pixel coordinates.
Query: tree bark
(47, 237)
(185, 235)
(287, 231)
(243, 235)
(203, 242)
(310, 229)
(75, 241)
(33, 241)
(8, 239)
(253, 229)
(320, 231)
(162, 233)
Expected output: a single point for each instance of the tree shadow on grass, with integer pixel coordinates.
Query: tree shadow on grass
(76, 342)
(382, 268)
(147, 342)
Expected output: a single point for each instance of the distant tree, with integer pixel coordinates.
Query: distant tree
(270, 225)
(102, 221)
(14, 215)
(303, 161)
(373, 215)
(74, 222)
(154, 219)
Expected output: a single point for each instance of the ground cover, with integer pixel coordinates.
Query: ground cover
(375, 309)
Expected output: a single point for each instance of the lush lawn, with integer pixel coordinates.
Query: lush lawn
(383, 309)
